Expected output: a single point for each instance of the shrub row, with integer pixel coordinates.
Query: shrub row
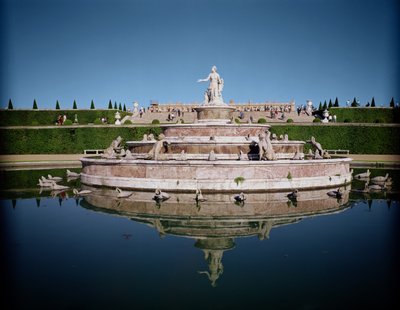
(358, 139)
(366, 115)
(49, 117)
(62, 140)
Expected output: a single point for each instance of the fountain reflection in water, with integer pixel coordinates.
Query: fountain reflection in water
(215, 223)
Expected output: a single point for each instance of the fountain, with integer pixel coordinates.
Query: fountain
(215, 154)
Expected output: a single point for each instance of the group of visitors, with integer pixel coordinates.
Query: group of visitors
(61, 119)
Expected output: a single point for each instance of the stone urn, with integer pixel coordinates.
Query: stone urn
(325, 114)
(117, 118)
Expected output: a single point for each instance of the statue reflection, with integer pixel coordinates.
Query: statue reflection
(219, 221)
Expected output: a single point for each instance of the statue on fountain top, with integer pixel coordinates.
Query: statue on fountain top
(213, 95)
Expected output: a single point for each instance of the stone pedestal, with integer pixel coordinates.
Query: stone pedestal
(214, 114)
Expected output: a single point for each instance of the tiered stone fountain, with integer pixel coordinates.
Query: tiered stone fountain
(215, 154)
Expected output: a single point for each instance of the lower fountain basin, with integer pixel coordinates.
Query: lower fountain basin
(216, 176)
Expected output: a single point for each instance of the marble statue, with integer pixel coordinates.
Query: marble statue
(114, 149)
(266, 151)
(211, 156)
(156, 152)
(213, 95)
(317, 146)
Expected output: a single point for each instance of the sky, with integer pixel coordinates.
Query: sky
(144, 50)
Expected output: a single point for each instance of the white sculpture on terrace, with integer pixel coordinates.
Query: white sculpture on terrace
(213, 95)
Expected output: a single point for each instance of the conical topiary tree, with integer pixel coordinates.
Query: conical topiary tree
(124, 107)
(57, 105)
(354, 103)
(336, 104)
(110, 105)
(115, 106)
(373, 102)
(120, 107)
(10, 105)
(92, 105)
(325, 106)
(35, 107)
(330, 105)
(74, 106)
(320, 106)
(391, 104)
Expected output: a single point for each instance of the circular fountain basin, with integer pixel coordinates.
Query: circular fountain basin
(216, 176)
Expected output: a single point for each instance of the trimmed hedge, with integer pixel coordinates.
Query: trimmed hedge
(358, 139)
(49, 117)
(366, 115)
(63, 140)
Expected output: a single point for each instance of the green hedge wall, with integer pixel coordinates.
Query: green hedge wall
(362, 139)
(366, 115)
(49, 117)
(63, 140)
(358, 139)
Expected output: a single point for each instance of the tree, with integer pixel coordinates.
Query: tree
(391, 104)
(336, 103)
(354, 103)
(373, 102)
(325, 106)
(320, 106)
(110, 105)
(35, 107)
(74, 105)
(368, 104)
(330, 105)
(115, 106)
(92, 105)
(10, 105)
(57, 105)
(120, 107)
(124, 107)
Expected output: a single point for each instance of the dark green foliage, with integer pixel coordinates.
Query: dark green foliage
(49, 117)
(115, 106)
(330, 105)
(74, 106)
(120, 107)
(364, 139)
(391, 104)
(289, 120)
(320, 106)
(35, 107)
(67, 122)
(358, 139)
(57, 105)
(261, 120)
(354, 103)
(128, 122)
(325, 106)
(124, 109)
(336, 105)
(92, 105)
(366, 115)
(110, 106)
(97, 121)
(61, 140)
(237, 121)
(373, 102)
(10, 105)
(316, 120)
(155, 121)
(347, 120)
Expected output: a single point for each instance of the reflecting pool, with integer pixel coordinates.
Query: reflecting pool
(270, 252)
